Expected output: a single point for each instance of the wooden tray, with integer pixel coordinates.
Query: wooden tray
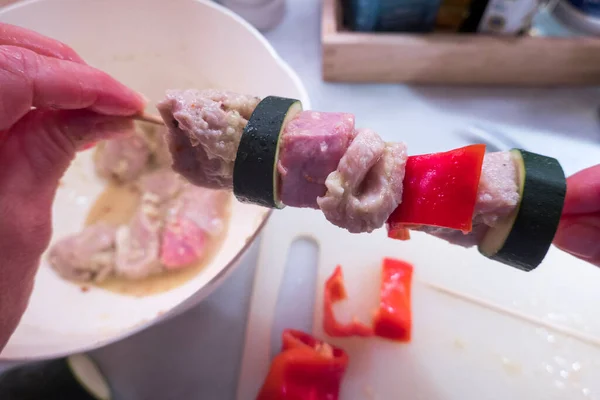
(454, 59)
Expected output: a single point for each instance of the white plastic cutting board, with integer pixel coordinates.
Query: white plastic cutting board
(481, 330)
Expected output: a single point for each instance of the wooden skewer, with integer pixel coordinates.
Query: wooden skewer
(153, 119)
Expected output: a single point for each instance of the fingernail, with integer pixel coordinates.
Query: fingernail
(134, 103)
(580, 236)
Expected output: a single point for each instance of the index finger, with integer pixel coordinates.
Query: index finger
(583, 192)
(30, 80)
(12, 35)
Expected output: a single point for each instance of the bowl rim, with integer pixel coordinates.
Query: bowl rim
(203, 292)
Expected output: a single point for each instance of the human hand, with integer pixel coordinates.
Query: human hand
(579, 229)
(75, 105)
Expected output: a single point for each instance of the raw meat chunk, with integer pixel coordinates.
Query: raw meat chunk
(498, 192)
(161, 185)
(123, 159)
(193, 218)
(204, 130)
(183, 244)
(138, 243)
(86, 256)
(206, 207)
(311, 148)
(367, 185)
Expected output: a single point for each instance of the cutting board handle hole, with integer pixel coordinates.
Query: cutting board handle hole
(296, 298)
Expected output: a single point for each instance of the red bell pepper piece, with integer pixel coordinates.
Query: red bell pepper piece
(306, 369)
(335, 291)
(440, 189)
(393, 320)
(399, 232)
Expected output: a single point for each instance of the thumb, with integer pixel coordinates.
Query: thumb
(583, 192)
(579, 235)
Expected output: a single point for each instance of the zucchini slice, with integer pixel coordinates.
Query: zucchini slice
(73, 378)
(522, 239)
(255, 176)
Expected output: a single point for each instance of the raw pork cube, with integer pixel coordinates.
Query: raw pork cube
(311, 148)
(162, 185)
(138, 243)
(204, 130)
(193, 219)
(367, 185)
(497, 194)
(123, 158)
(86, 256)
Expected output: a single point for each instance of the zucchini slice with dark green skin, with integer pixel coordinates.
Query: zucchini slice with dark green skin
(73, 378)
(523, 239)
(255, 176)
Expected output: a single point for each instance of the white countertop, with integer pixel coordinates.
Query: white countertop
(196, 355)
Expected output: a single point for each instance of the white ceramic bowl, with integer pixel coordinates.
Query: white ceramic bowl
(151, 45)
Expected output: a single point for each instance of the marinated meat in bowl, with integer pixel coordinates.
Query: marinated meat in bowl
(150, 229)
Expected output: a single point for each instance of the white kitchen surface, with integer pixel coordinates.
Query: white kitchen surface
(480, 329)
(197, 355)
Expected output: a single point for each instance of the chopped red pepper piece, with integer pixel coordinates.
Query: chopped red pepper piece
(306, 369)
(394, 317)
(335, 291)
(440, 189)
(399, 232)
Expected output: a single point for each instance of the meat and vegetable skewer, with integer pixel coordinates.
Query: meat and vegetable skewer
(272, 153)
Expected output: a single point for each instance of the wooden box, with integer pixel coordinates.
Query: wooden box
(454, 59)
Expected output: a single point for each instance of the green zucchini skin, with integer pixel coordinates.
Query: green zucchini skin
(44, 380)
(544, 188)
(255, 176)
